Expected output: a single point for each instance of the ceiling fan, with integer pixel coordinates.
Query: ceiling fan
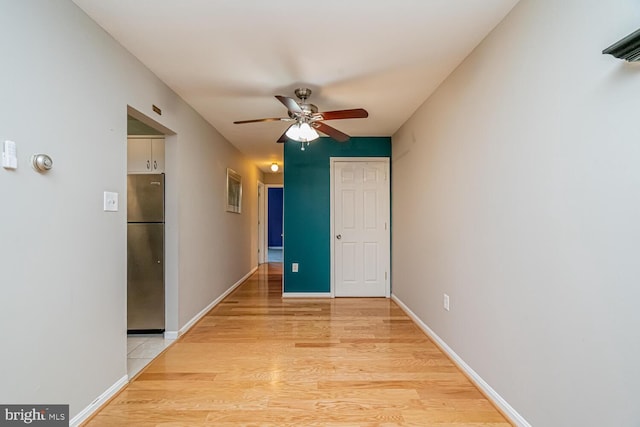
(307, 119)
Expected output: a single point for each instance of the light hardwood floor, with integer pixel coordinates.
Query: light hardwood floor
(259, 360)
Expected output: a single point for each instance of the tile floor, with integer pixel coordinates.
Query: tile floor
(274, 254)
(142, 349)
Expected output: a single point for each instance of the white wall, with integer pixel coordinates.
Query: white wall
(65, 86)
(516, 190)
(217, 248)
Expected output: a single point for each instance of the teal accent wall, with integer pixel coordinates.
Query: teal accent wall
(307, 221)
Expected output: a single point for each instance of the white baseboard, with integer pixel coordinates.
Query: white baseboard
(491, 394)
(215, 302)
(171, 335)
(306, 295)
(101, 400)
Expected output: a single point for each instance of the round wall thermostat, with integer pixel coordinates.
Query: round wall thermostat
(41, 162)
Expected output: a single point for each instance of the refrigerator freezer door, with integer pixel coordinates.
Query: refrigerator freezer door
(145, 274)
(145, 198)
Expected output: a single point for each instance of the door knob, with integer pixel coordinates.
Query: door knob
(41, 162)
(339, 236)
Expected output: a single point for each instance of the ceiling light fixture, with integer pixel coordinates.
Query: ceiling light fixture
(274, 167)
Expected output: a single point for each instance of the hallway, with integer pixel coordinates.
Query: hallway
(257, 359)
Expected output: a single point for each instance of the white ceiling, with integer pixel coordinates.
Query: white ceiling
(228, 58)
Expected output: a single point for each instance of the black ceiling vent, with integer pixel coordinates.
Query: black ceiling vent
(628, 48)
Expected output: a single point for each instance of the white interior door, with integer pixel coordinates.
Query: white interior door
(361, 228)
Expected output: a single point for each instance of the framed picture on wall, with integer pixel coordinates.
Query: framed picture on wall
(234, 191)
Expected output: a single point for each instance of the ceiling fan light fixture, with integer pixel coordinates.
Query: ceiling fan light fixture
(294, 132)
(307, 133)
(302, 132)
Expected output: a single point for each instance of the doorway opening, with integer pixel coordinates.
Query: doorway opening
(274, 224)
(151, 301)
(271, 234)
(262, 254)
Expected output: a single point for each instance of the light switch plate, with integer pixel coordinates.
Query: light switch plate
(9, 156)
(110, 201)
(294, 267)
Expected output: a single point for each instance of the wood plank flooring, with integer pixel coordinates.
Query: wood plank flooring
(259, 360)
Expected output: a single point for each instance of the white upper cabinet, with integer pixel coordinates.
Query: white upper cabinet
(145, 155)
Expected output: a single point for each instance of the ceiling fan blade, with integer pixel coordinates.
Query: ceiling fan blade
(290, 103)
(283, 137)
(332, 132)
(356, 113)
(271, 119)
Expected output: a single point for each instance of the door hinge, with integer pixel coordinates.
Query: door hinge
(385, 275)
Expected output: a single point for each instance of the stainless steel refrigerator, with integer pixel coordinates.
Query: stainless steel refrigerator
(145, 253)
